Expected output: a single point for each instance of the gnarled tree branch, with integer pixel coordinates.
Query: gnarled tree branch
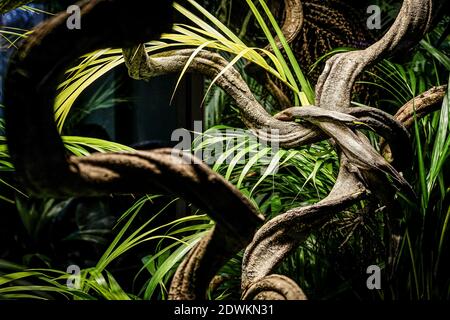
(38, 153)
(41, 162)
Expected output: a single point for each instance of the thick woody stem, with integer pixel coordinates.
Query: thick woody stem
(41, 162)
(421, 105)
(39, 157)
(416, 108)
(289, 134)
(210, 64)
(334, 88)
(277, 238)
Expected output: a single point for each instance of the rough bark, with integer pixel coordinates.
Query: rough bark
(278, 237)
(44, 169)
(40, 160)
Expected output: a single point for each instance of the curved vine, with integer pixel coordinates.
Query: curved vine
(45, 170)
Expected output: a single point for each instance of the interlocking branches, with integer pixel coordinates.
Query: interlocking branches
(41, 163)
(7, 5)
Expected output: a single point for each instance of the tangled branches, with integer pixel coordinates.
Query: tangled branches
(45, 170)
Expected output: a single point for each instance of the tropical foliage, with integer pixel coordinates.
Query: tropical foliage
(330, 264)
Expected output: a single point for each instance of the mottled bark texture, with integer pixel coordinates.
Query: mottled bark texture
(333, 92)
(45, 169)
(40, 159)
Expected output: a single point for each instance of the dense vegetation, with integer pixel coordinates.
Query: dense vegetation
(128, 247)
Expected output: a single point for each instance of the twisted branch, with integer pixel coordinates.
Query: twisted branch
(283, 233)
(44, 168)
(38, 153)
(291, 27)
(421, 105)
